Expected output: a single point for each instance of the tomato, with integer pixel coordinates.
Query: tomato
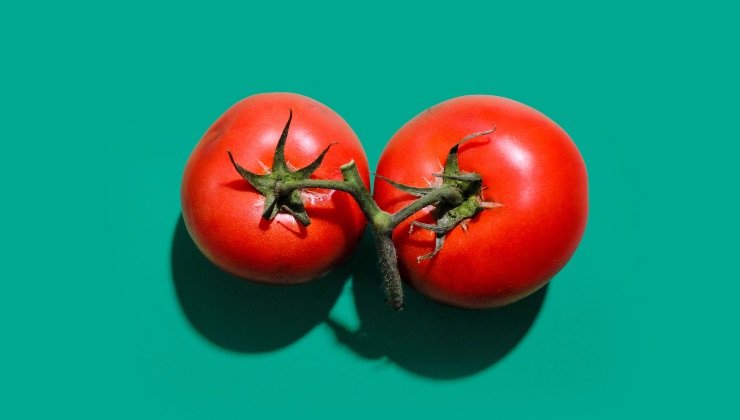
(223, 212)
(529, 166)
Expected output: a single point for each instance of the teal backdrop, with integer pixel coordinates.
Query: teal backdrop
(108, 311)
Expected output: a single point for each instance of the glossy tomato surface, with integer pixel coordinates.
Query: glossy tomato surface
(528, 164)
(222, 211)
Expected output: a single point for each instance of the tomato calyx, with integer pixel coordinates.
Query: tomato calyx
(278, 199)
(458, 210)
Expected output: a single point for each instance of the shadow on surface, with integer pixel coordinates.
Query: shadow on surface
(427, 338)
(241, 316)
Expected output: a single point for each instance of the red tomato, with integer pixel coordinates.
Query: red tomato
(528, 164)
(222, 211)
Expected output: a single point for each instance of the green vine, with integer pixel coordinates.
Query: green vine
(455, 201)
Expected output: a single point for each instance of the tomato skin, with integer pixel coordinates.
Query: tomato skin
(529, 165)
(222, 211)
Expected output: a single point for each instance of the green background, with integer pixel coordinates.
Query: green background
(107, 310)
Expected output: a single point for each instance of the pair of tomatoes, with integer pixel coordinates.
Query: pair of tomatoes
(529, 167)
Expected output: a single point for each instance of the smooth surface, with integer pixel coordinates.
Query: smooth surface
(106, 311)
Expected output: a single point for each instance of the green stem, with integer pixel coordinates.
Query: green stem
(382, 223)
(388, 258)
(443, 193)
(281, 189)
(351, 184)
